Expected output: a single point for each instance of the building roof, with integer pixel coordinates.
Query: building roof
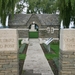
(49, 19)
(45, 19)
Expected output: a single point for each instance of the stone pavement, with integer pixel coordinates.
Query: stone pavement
(35, 59)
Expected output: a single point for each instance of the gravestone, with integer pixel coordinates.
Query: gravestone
(67, 52)
(9, 52)
(47, 43)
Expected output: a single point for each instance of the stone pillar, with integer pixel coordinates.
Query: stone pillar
(67, 52)
(9, 64)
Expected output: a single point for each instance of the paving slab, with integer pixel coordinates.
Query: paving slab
(35, 59)
(29, 72)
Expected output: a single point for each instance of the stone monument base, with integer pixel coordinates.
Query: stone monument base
(67, 63)
(9, 62)
(67, 52)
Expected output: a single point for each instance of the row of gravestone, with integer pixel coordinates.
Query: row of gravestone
(9, 52)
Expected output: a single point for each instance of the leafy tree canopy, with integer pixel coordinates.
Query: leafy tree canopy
(6, 7)
(34, 6)
(67, 11)
(41, 6)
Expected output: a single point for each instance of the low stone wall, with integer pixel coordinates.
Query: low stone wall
(8, 63)
(23, 33)
(67, 63)
(42, 33)
(45, 34)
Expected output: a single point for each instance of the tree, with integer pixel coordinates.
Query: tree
(20, 6)
(44, 6)
(6, 7)
(67, 11)
(73, 10)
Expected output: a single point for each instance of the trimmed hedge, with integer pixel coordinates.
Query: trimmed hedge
(22, 48)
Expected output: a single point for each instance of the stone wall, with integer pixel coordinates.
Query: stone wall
(67, 52)
(8, 63)
(67, 63)
(23, 33)
(43, 32)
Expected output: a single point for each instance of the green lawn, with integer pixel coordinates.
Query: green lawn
(21, 48)
(55, 55)
(55, 48)
(33, 34)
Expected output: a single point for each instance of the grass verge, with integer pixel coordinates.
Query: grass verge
(55, 49)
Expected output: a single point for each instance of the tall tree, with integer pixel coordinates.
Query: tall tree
(73, 10)
(44, 6)
(6, 8)
(67, 11)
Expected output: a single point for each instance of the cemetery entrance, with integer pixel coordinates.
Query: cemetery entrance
(33, 30)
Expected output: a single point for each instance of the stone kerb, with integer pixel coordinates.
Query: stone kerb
(67, 52)
(9, 52)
